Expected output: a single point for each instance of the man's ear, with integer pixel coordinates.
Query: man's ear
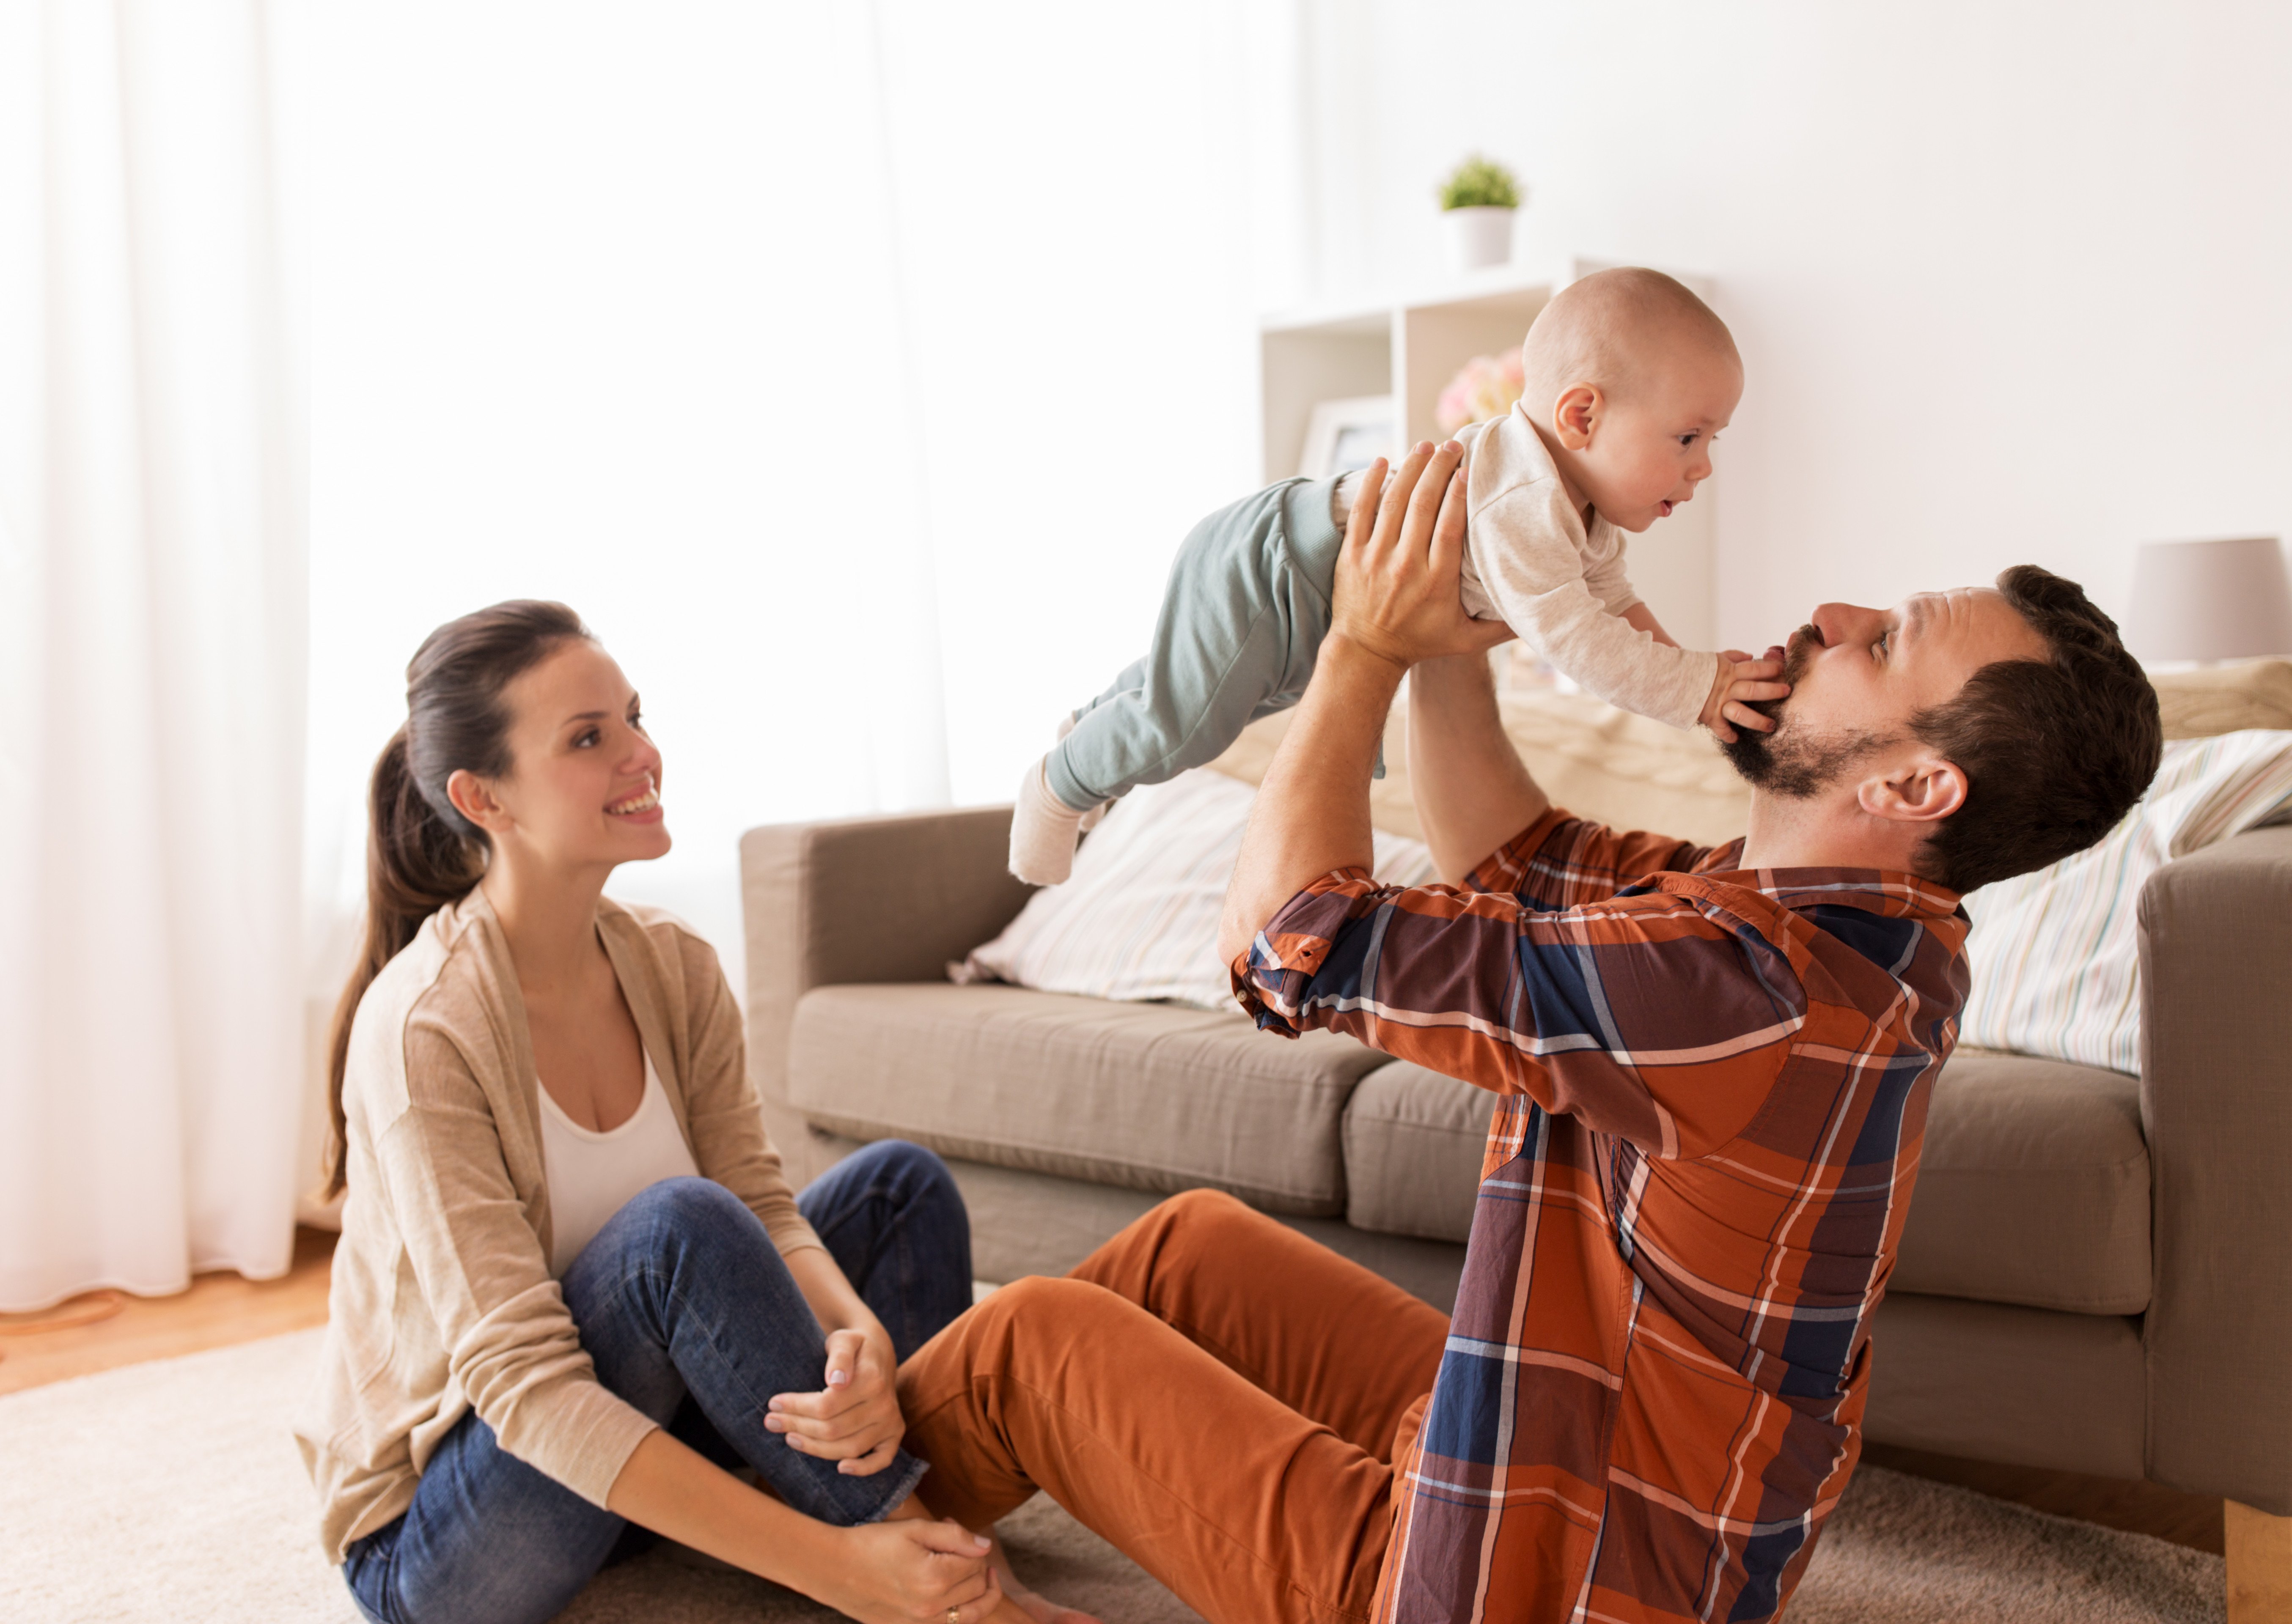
(1577, 414)
(473, 798)
(1923, 789)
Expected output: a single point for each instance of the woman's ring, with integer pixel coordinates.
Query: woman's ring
(955, 1615)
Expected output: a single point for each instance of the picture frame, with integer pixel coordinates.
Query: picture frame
(1343, 435)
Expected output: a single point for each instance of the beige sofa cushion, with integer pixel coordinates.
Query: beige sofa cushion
(1138, 918)
(1148, 1096)
(2034, 1189)
(1597, 761)
(1413, 1144)
(1625, 770)
(2217, 699)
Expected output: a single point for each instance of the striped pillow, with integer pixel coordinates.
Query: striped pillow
(2055, 954)
(1139, 918)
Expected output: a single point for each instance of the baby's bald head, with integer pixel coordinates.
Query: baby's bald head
(1619, 331)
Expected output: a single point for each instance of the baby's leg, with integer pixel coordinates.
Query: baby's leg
(1133, 676)
(1216, 661)
(1220, 650)
(1131, 681)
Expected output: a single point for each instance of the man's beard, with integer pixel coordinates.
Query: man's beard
(1791, 761)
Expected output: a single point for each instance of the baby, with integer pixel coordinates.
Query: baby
(1628, 378)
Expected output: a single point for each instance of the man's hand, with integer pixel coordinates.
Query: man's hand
(1397, 602)
(1399, 577)
(855, 1421)
(1741, 680)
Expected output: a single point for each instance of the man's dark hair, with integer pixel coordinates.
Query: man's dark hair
(2054, 752)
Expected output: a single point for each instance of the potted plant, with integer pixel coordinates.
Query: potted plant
(1478, 198)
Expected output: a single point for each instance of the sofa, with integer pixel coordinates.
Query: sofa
(2092, 1278)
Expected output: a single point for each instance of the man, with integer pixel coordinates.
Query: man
(1713, 1071)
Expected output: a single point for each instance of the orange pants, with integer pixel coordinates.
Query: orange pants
(1210, 1391)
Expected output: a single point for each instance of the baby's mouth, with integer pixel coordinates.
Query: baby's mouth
(1664, 507)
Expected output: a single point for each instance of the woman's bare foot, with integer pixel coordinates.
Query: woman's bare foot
(1040, 1610)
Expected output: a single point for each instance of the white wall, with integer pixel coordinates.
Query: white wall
(2010, 277)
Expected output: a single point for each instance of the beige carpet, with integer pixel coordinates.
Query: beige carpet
(170, 1493)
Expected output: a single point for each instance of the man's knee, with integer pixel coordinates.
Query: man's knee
(1205, 1207)
(1168, 1239)
(1033, 1296)
(1200, 1219)
(1051, 1310)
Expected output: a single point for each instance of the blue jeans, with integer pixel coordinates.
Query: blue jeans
(687, 1312)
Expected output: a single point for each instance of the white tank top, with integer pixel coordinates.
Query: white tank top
(593, 1175)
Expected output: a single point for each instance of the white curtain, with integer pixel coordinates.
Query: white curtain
(853, 369)
(151, 647)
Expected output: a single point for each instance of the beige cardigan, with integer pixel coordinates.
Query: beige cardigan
(442, 1300)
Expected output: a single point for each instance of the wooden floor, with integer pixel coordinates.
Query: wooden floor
(222, 1309)
(217, 1311)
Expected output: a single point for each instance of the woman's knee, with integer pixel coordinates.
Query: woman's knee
(690, 1208)
(908, 1168)
(676, 1223)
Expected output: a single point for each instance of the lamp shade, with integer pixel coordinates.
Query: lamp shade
(2210, 600)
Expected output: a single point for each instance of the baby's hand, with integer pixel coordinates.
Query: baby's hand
(1742, 679)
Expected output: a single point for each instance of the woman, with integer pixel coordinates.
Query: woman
(573, 1287)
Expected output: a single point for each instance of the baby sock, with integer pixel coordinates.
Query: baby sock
(1043, 830)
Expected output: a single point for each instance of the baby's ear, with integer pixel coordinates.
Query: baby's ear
(1575, 414)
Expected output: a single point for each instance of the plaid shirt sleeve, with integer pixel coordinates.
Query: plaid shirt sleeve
(1650, 1011)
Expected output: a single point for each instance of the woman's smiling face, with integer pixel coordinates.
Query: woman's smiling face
(584, 786)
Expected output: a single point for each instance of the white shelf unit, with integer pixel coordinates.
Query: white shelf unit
(1410, 350)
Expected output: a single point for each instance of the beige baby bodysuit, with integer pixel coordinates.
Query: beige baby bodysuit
(1529, 562)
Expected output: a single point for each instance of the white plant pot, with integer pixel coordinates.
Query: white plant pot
(1478, 237)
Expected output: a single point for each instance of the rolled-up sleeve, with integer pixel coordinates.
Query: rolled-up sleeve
(1650, 1014)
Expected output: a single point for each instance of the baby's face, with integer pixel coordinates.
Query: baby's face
(1652, 446)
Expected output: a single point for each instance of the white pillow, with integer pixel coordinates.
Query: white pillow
(1139, 918)
(2056, 953)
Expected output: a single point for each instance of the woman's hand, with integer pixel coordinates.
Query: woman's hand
(1401, 576)
(912, 1571)
(855, 1420)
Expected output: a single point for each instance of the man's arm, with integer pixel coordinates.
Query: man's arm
(1396, 602)
(1311, 812)
(1473, 791)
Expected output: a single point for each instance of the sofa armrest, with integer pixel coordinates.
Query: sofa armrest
(2217, 1105)
(870, 899)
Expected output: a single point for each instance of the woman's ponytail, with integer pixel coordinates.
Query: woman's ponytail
(422, 855)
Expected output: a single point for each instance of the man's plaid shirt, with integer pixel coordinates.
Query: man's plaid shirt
(1714, 1086)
